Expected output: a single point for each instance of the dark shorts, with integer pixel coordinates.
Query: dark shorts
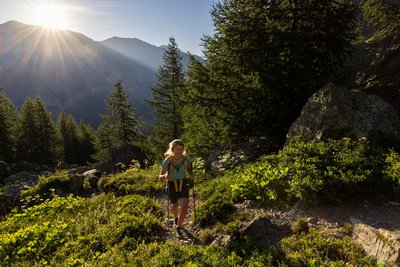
(175, 195)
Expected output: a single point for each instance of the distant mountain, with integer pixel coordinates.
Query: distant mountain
(142, 52)
(68, 70)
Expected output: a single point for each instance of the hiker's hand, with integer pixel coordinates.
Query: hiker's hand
(165, 177)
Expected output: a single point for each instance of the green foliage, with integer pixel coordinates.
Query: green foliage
(170, 254)
(264, 61)
(330, 171)
(383, 16)
(8, 126)
(215, 208)
(78, 142)
(120, 125)
(262, 182)
(37, 139)
(72, 231)
(46, 187)
(317, 249)
(167, 98)
(392, 172)
(300, 226)
(133, 181)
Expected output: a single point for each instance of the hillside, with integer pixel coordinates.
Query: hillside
(274, 212)
(68, 70)
(142, 52)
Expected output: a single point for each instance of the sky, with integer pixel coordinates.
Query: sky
(153, 21)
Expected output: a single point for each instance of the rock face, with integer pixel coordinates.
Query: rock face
(14, 185)
(263, 229)
(374, 68)
(336, 112)
(91, 180)
(382, 244)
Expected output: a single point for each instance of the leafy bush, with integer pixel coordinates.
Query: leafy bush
(73, 230)
(317, 249)
(330, 171)
(392, 173)
(216, 208)
(45, 186)
(170, 254)
(133, 181)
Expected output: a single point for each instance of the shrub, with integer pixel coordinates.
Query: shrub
(132, 181)
(392, 173)
(170, 254)
(73, 230)
(317, 249)
(331, 171)
(46, 186)
(214, 209)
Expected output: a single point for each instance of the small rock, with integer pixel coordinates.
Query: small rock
(313, 220)
(93, 172)
(222, 240)
(394, 204)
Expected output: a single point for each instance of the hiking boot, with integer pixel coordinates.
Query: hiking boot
(179, 231)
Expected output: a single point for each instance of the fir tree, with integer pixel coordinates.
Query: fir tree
(120, 125)
(87, 143)
(38, 141)
(8, 125)
(68, 131)
(264, 61)
(167, 97)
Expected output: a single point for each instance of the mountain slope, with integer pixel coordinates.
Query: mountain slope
(142, 52)
(68, 70)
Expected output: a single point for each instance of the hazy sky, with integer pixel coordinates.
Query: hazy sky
(153, 21)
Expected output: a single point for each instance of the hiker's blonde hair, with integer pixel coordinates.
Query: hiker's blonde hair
(172, 145)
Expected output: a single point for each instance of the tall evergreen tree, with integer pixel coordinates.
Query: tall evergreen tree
(167, 97)
(120, 125)
(68, 131)
(264, 61)
(38, 141)
(8, 125)
(87, 143)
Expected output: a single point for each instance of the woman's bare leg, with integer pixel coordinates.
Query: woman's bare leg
(184, 207)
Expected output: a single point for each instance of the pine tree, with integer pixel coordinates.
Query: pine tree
(264, 61)
(38, 141)
(120, 125)
(167, 97)
(87, 142)
(8, 125)
(68, 131)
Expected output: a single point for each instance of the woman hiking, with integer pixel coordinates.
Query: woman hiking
(177, 170)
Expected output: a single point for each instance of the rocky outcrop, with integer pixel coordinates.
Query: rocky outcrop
(337, 112)
(222, 159)
(23, 179)
(380, 243)
(263, 229)
(12, 190)
(91, 180)
(374, 68)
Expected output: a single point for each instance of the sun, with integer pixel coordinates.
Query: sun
(50, 15)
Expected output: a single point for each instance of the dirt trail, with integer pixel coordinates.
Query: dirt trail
(386, 216)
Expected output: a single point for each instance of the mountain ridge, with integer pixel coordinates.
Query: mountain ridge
(71, 72)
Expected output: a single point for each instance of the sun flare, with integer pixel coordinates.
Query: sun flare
(50, 16)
